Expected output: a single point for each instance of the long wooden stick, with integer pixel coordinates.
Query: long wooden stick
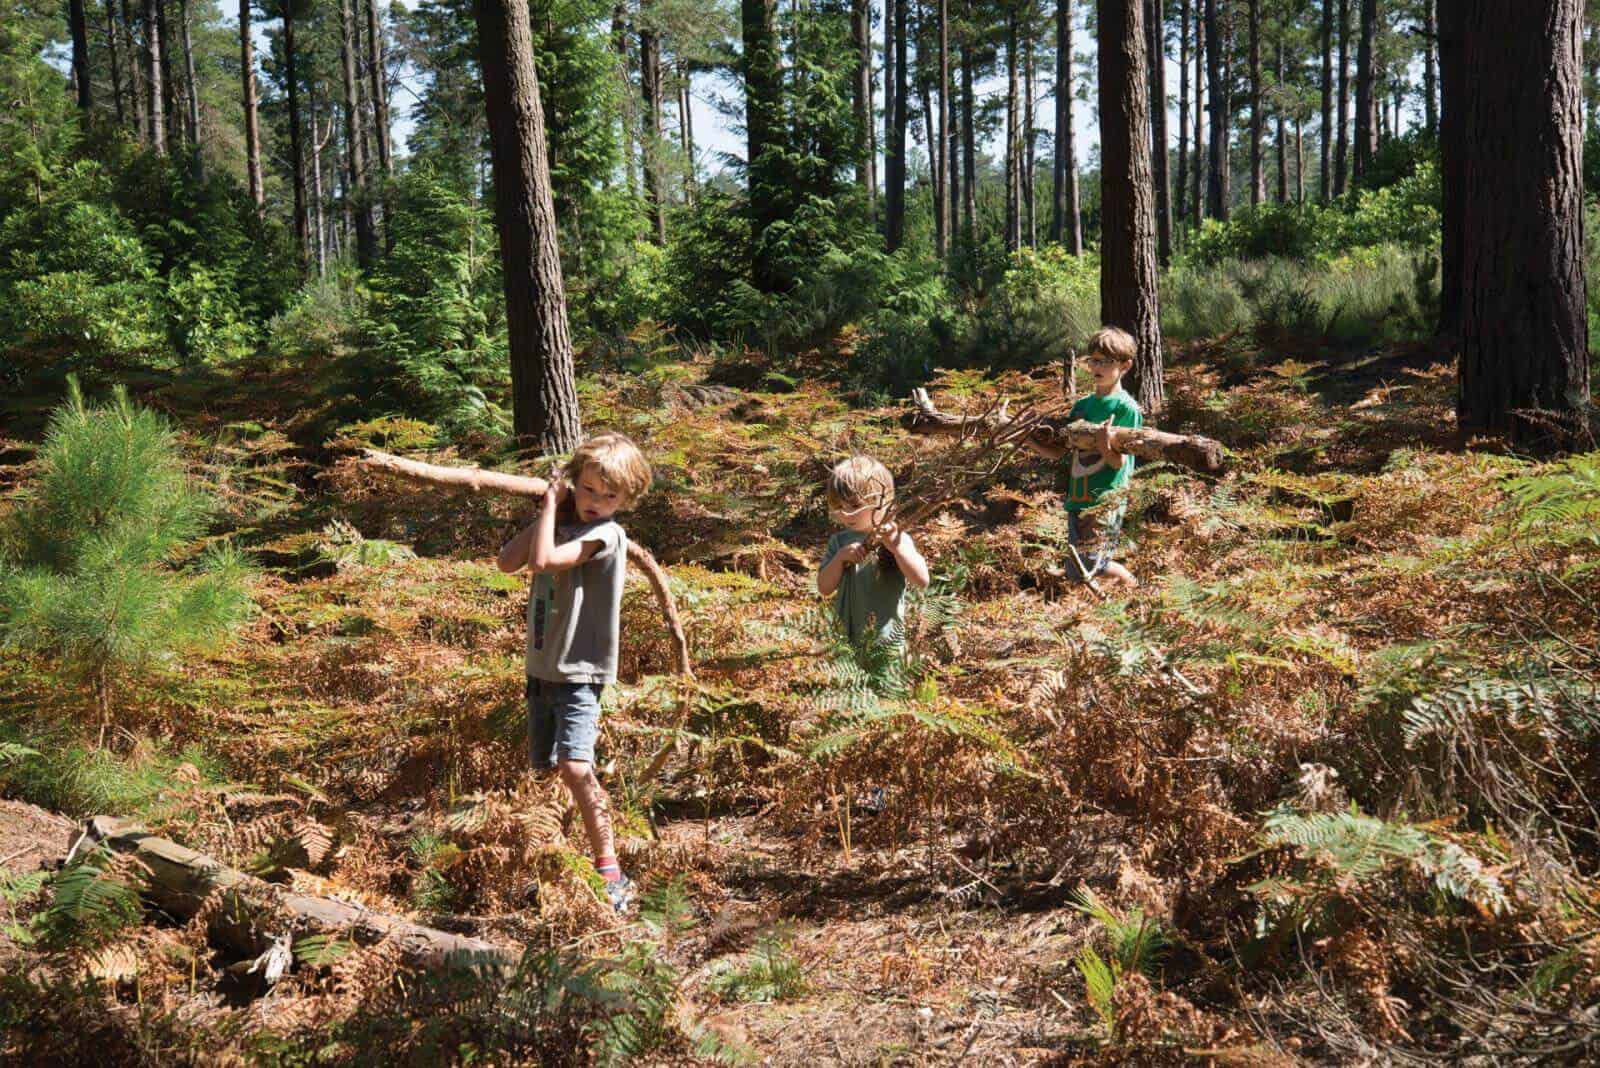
(1147, 443)
(476, 480)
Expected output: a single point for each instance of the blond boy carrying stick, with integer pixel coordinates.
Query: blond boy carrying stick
(868, 587)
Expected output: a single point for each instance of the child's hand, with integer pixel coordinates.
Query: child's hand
(854, 553)
(556, 491)
(1102, 439)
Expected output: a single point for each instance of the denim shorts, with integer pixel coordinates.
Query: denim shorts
(1095, 537)
(563, 721)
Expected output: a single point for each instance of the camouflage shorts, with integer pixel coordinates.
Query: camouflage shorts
(1095, 537)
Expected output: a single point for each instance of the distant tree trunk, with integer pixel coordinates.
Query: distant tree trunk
(1341, 163)
(193, 95)
(355, 146)
(1155, 23)
(1226, 170)
(861, 90)
(116, 66)
(172, 133)
(1283, 146)
(1453, 89)
(945, 185)
(1325, 177)
(296, 156)
(252, 121)
(379, 89)
(1013, 138)
(155, 104)
(691, 178)
(763, 125)
(655, 192)
(1257, 185)
(969, 142)
(544, 397)
(619, 44)
(896, 164)
(935, 181)
(136, 80)
(1128, 273)
(1030, 229)
(1063, 119)
(1430, 77)
(888, 110)
(78, 24)
(1198, 177)
(1524, 333)
(1366, 131)
(1181, 192)
(319, 224)
(1217, 154)
(1299, 160)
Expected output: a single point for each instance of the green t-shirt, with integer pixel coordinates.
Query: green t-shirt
(1090, 478)
(869, 598)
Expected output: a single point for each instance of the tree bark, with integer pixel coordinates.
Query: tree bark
(544, 396)
(1198, 177)
(655, 192)
(1013, 138)
(945, 184)
(193, 95)
(355, 145)
(156, 102)
(1128, 273)
(1524, 332)
(173, 133)
(691, 178)
(319, 225)
(896, 151)
(1217, 153)
(181, 881)
(888, 108)
(1257, 186)
(1453, 87)
(1341, 150)
(1325, 175)
(969, 140)
(136, 83)
(296, 155)
(1430, 78)
(861, 91)
(763, 126)
(1193, 451)
(252, 120)
(1283, 145)
(1299, 160)
(115, 61)
(78, 25)
(1366, 100)
(1181, 191)
(619, 44)
(1025, 174)
(379, 89)
(1155, 48)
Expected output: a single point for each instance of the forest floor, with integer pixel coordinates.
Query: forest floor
(832, 877)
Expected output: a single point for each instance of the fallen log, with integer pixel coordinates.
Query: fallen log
(254, 914)
(1059, 434)
(478, 480)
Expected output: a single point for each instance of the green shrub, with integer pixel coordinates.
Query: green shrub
(99, 561)
(1046, 302)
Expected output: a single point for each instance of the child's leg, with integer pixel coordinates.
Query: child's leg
(1094, 540)
(577, 727)
(595, 806)
(541, 727)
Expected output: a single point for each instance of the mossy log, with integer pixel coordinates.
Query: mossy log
(1059, 434)
(252, 913)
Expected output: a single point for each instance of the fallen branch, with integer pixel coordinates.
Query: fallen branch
(255, 913)
(477, 480)
(1060, 434)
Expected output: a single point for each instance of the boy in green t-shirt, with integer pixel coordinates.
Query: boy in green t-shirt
(1092, 529)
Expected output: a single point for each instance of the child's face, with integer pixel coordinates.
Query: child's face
(1107, 370)
(857, 517)
(593, 497)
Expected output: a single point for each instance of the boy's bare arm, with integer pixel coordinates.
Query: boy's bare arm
(514, 553)
(906, 554)
(1046, 451)
(832, 573)
(545, 554)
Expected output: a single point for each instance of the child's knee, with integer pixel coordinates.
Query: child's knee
(575, 773)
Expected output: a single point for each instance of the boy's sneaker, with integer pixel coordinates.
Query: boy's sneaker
(620, 893)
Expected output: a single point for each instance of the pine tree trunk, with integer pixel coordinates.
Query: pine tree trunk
(655, 193)
(544, 397)
(888, 111)
(1524, 332)
(969, 146)
(1155, 49)
(1217, 153)
(945, 184)
(1063, 118)
(619, 44)
(1283, 147)
(379, 89)
(193, 95)
(1325, 177)
(1341, 149)
(1453, 88)
(1366, 131)
(360, 203)
(897, 145)
(1257, 185)
(252, 120)
(1226, 170)
(1299, 160)
(173, 133)
(861, 89)
(116, 65)
(1128, 273)
(1013, 143)
(1430, 77)
(691, 177)
(156, 102)
(136, 80)
(1197, 178)
(319, 224)
(78, 26)
(1181, 191)
(1025, 174)
(763, 126)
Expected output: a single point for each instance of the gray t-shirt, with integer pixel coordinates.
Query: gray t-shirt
(575, 616)
(869, 597)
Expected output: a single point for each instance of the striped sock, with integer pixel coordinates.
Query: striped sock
(608, 868)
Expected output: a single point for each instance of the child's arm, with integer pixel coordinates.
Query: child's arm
(832, 572)
(905, 552)
(514, 553)
(1046, 451)
(1109, 454)
(536, 545)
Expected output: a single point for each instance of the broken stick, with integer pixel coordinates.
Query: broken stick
(1147, 443)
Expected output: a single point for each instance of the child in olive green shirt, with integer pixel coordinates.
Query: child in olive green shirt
(868, 587)
(1093, 532)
